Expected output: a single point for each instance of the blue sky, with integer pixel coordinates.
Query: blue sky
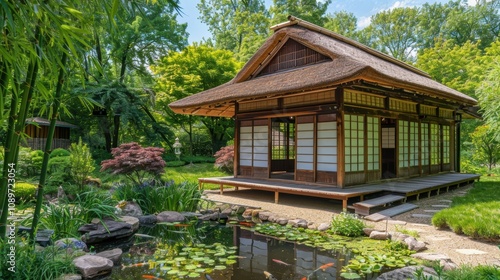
(362, 9)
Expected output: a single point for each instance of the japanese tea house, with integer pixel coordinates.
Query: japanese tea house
(314, 106)
(37, 130)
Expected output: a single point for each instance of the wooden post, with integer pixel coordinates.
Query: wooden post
(276, 197)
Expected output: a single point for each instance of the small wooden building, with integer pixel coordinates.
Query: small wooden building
(314, 106)
(37, 130)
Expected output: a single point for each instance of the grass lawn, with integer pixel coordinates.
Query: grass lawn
(192, 172)
(477, 214)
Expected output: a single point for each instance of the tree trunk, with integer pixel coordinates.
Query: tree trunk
(116, 130)
(48, 145)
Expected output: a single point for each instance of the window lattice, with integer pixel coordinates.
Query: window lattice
(413, 144)
(258, 105)
(311, 98)
(283, 144)
(424, 131)
(446, 144)
(445, 113)
(373, 143)
(354, 143)
(427, 110)
(354, 97)
(402, 106)
(403, 143)
(292, 55)
(435, 144)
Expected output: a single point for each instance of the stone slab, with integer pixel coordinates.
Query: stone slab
(431, 210)
(470, 252)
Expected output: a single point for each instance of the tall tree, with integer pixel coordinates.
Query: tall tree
(488, 91)
(392, 32)
(313, 11)
(196, 68)
(236, 25)
(118, 76)
(343, 23)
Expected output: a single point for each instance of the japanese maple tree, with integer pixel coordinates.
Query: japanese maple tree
(135, 162)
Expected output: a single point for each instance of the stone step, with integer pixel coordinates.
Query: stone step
(393, 211)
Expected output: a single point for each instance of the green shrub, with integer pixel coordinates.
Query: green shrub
(59, 164)
(32, 263)
(36, 162)
(154, 197)
(64, 219)
(81, 162)
(198, 159)
(347, 224)
(59, 152)
(25, 192)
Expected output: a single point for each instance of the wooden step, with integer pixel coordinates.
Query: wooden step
(391, 212)
(363, 207)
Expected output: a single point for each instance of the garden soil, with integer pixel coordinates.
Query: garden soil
(461, 249)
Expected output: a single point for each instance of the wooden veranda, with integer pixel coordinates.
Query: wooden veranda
(434, 184)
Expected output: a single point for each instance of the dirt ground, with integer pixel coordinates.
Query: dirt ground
(461, 249)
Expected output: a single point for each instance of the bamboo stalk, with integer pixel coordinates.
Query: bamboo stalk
(48, 145)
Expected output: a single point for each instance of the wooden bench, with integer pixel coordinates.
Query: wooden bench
(363, 207)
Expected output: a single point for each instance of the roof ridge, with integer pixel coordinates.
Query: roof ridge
(292, 20)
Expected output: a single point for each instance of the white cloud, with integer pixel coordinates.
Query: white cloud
(364, 22)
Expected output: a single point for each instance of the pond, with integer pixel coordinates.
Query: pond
(223, 252)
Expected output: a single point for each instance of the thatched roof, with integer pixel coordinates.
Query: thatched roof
(350, 61)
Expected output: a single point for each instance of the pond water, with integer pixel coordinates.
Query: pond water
(223, 252)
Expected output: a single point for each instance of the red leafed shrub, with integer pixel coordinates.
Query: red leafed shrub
(134, 161)
(224, 158)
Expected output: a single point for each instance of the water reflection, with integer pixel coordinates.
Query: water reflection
(256, 254)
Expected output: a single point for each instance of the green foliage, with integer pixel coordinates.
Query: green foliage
(486, 147)
(25, 192)
(180, 74)
(36, 161)
(191, 172)
(29, 162)
(310, 10)
(66, 218)
(239, 27)
(477, 214)
(347, 224)
(59, 164)
(31, 263)
(154, 197)
(406, 231)
(82, 163)
(467, 272)
(59, 152)
(198, 159)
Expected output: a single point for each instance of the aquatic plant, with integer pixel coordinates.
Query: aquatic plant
(347, 224)
(189, 260)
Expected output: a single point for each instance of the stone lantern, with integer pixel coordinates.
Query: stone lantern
(177, 148)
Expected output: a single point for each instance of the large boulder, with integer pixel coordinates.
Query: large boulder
(115, 255)
(133, 221)
(105, 231)
(93, 266)
(130, 208)
(170, 217)
(407, 273)
(147, 219)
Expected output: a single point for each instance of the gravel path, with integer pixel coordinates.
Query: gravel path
(461, 249)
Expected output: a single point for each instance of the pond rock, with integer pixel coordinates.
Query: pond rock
(443, 259)
(282, 221)
(407, 273)
(324, 226)
(131, 208)
(247, 214)
(114, 255)
(298, 223)
(71, 243)
(147, 219)
(264, 215)
(70, 277)
(133, 221)
(379, 235)
(95, 233)
(170, 217)
(414, 244)
(93, 266)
